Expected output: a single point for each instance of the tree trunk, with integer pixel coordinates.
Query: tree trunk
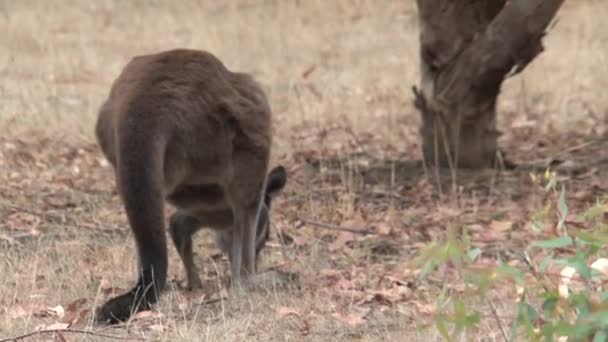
(467, 49)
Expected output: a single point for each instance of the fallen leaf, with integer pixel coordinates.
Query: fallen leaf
(383, 228)
(54, 326)
(22, 221)
(567, 275)
(146, 314)
(308, 71)
(352, 319)
(501, 226)
(157, 327)
(341, 239)
(388, 296)
(75, 312)
(55, 311)
(425, 309)
(601, 265)
(24, 310)
(284, 311)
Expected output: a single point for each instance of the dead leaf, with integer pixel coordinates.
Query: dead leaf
(501, 226)
(146, 315)
(157, 327)
(383, 228)
(24, 310)
(55, 311)
(353, 319)
(341, 239)
(54, 326)
(425, 309)
(284, 311)
(308, 71)
(75, 312)
(9, 239)
(601, 265)
(24, 222)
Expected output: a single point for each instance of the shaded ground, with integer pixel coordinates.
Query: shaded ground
(63, 225)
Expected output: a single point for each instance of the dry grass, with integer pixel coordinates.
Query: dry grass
(347, 133)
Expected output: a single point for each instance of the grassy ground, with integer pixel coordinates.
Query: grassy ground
(338, 74)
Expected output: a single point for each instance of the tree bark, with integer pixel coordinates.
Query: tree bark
(467, 49)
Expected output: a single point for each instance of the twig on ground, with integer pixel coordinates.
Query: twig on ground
(498, 320)
(363, 231)
(209, 301)
(72, 331)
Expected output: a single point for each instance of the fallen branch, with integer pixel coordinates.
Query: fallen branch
(498, 320)
(363, 231)
(72, 331)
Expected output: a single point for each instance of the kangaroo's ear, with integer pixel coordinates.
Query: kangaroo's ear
(276, 180)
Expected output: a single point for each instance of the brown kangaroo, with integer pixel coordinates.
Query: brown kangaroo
(179, 126)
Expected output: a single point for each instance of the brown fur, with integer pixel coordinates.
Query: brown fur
(179, 126)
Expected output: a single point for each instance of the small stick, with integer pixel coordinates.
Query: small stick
(74, 331)
(334, 227)
(498, 320)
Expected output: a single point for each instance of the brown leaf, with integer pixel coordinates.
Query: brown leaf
(383, 228)
(75, 312)
(147, 314)
(308, 71)
(284, 311)
(341, 239)
(354, 319)
(501, 226)
(24, 310)
(23, 221)
(55, 311)
(425, 309)
(54, 326)
(157, 327)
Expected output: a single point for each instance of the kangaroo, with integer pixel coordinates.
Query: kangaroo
(179, 127)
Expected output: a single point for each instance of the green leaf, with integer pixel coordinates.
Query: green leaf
(579, 262)
(551, 184)
(531, 313)
(592, 238)
(542, 267)
(527, 315)
(600, 336)
(561, 242)
(473, 320)
(593, 212)
(548, 331)
(580, 301)
(474, 253)
(562, 208)
(442, 328)
(598, 319)
(512, 272)
(561, 203)
(550, 304)
(537, 226)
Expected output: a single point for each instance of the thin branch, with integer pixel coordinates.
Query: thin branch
(363, 231)
(498, 320)
(72, 331)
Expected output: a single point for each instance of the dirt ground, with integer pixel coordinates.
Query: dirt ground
(338, 74)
